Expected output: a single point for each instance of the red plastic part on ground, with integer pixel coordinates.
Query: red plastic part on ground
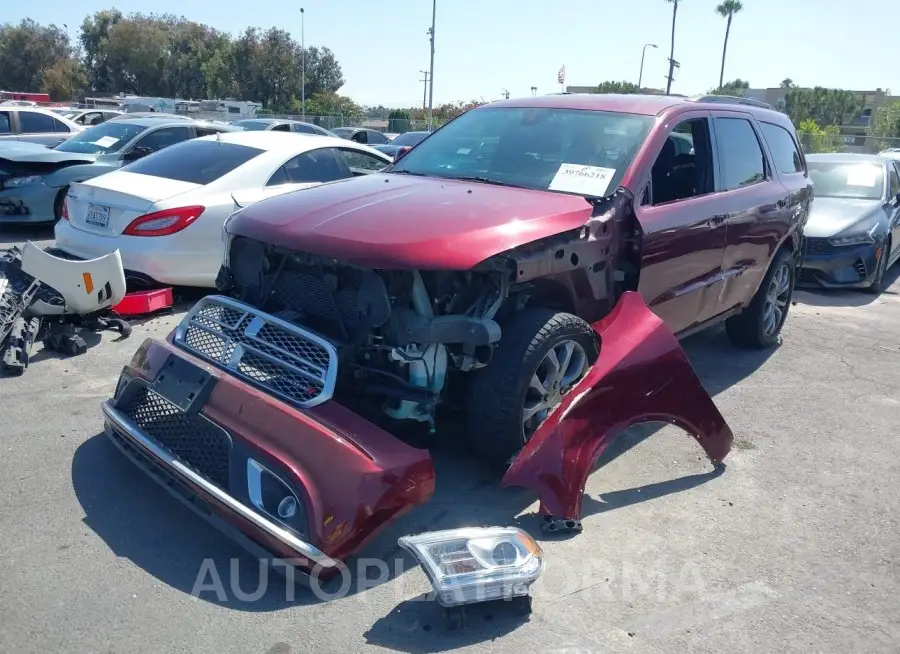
(144, 302)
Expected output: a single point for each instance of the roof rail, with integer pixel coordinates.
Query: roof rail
(732, 99)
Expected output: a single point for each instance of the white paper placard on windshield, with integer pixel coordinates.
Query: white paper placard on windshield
(106, 141)
(585, 180)
(867, 176)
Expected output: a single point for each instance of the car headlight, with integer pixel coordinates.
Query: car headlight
(478, 564)
(21, 181)
(855, 239)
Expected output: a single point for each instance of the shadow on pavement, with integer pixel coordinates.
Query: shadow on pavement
(140, 521)
(407, 626)
(820, 297)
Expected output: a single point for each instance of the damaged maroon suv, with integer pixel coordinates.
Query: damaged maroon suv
(519, 279)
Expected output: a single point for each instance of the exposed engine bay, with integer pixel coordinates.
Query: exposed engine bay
(403, 336)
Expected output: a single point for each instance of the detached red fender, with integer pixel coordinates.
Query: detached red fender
(642, 375)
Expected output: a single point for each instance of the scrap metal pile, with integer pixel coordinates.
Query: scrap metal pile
(44, 297)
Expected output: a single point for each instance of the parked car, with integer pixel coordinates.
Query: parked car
(35, 125)
(165, 213)
(281, 125)
(505, 268)
(160, 115)
(405, 140)
(853, 233)
(360, 135)
(35, 179)
(87, 117)
(891, 153)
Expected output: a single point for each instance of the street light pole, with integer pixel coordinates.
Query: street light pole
(431, 68)
(533, 91)
(424, 89)
(643, 54)
(302, 64)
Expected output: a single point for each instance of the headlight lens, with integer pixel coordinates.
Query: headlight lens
(22, 181)
(855, 239)
(477, 564)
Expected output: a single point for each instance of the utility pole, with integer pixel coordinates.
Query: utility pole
(431, 68)
(424, 89)
(302, 64)
(505, 94)
(643, 54)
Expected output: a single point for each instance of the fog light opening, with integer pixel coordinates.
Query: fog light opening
(287, 507)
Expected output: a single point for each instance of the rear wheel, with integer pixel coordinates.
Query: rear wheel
(759, 325)
(541, 356)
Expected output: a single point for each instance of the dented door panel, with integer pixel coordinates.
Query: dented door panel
(642, 375)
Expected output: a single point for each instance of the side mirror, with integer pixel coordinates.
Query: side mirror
(401, 152)
(136, 154)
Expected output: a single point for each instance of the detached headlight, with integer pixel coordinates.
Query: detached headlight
(855, 239)
(15, 182)
(478, 564)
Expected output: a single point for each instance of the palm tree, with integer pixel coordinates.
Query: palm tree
(787, 83)
(727, 10)
(672, 48)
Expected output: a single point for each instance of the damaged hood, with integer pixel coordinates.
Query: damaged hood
(830, 216)
(35, 153)
(388, 220)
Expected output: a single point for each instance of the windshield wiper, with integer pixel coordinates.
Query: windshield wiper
(405, 172)
(484, 180)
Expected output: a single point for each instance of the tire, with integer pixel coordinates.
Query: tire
(498, 392)
(748, 328)
(58, 203)
(877, 285)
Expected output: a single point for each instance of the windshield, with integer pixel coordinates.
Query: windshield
(564, 150)
(104, 138)
(409, 138)
(252, 125)
(863, 181)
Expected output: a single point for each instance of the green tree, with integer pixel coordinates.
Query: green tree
(824, 106)
(65, 80)
(27, 51)
(727, 10)
(885, 125)
(736, 87)
(94, 36)
(786, 83)
(618, 87)
(818, 139)
(672, 46)
(398, 121)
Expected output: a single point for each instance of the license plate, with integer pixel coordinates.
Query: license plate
(183, 384)
(97, 215)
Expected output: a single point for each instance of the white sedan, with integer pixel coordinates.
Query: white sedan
(165, 212)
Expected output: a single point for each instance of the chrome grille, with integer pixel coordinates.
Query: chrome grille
(192, 438)
(274, 355)
(818, 246)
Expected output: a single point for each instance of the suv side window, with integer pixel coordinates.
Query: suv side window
(163, 138)
(785, 154)
(284, 127)
(303, 129)
(360, 137)
(377, 137)
(741, 158)
(682, 172)
(206, 131)
(32, 122)
(895, 181)
(5, 123)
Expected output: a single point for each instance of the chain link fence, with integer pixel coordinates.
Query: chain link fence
(850, 143)
(330, 122)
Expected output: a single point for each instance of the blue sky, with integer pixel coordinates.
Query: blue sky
(486, 46)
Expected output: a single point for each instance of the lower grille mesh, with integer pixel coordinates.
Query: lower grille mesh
(191, 438)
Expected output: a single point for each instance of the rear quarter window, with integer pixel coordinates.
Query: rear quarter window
(196, 162)
(785, 154)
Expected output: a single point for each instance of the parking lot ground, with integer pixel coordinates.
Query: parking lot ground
(793, 548)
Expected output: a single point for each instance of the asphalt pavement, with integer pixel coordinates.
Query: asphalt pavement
(793, 548)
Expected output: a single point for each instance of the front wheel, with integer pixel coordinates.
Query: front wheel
(759, 325)
(877, 285)
(541, 356)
